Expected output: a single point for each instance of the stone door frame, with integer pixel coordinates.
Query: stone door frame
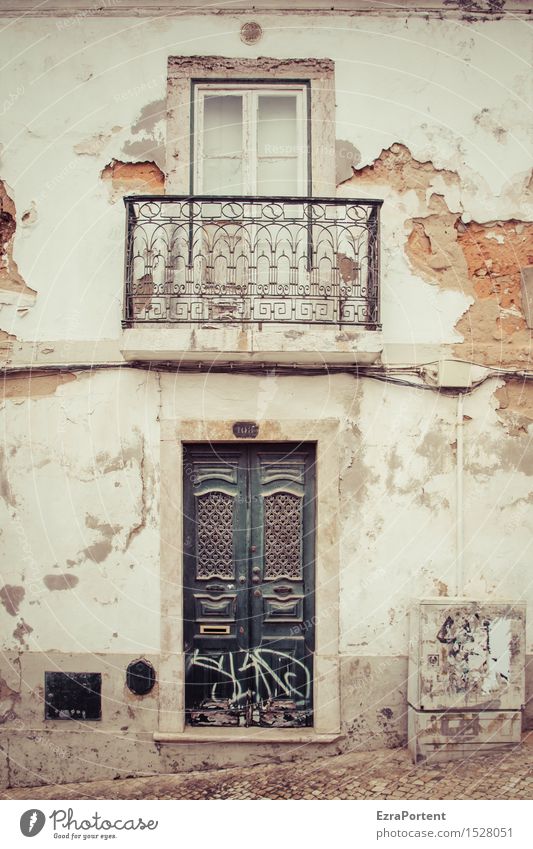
(325, 435)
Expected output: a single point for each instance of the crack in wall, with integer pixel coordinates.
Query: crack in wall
(136, 529)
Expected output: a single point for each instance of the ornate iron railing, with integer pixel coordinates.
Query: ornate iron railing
(252, 259)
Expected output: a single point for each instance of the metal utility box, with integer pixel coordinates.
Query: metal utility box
(466, 676)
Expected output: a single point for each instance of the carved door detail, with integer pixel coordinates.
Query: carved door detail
(249, 530)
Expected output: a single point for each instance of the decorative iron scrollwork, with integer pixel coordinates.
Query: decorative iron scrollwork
(224, 259)
(283, 536)
(214, 536)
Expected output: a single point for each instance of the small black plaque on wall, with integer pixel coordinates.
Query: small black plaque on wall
(140, 677)
(245, 430)
(73, 695)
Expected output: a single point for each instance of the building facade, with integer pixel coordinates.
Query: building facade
(266, 328)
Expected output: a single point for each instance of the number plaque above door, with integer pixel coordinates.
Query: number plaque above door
(245, 430)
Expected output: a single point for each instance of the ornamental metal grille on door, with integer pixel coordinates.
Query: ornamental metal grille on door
(249, 528)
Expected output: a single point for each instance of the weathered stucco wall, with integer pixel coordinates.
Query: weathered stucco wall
(82, 517)
(432, 112)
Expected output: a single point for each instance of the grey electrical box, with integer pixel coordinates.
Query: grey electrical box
(454, 374)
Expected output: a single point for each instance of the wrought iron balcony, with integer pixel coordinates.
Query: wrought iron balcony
(252, 259)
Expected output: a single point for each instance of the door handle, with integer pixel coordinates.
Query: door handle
(242, 579)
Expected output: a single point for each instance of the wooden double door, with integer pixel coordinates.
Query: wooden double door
(249, 541)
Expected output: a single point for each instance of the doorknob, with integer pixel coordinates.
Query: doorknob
(258, 593)
(242, 579)
(256, 579)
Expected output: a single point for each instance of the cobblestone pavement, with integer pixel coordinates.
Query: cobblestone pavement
(383, 774)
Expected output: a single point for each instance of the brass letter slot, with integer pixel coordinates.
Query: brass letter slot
(214, 629)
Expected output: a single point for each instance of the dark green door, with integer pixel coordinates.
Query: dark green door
(249, 531)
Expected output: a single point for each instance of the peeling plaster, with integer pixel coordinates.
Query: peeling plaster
(98, 551)
(6, 491)
(150, 127)
(33, 385)
(60, 582)
(7, 694)
(347, 157)
(21, 631)
(94, 145)
(10, 278)
(6, 345)
(515, 409)
(104, 528)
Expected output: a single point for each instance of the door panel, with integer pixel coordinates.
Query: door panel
(249, 595)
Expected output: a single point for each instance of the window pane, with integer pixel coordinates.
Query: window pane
(222, 176)
(276, 126)
(222, 125)
(277, 177)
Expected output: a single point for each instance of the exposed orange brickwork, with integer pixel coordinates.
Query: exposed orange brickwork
(482, 261)
(133, 178)
(495, 253)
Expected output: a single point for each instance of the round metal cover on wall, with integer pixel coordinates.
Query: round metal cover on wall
(251, 32)
(140, 677)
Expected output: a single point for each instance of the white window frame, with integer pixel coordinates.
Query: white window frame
(250, 97)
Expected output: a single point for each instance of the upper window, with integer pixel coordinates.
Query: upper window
(260, 127)
(251, 140)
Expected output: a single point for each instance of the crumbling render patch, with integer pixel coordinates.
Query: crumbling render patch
(495, 253)
(397, 168)
(60, 582)
(126, 178)
(10, 278)
(94, 145)
(7, 694)
(483, 261)
(515, 410)
(21, 631)
(6, 345)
